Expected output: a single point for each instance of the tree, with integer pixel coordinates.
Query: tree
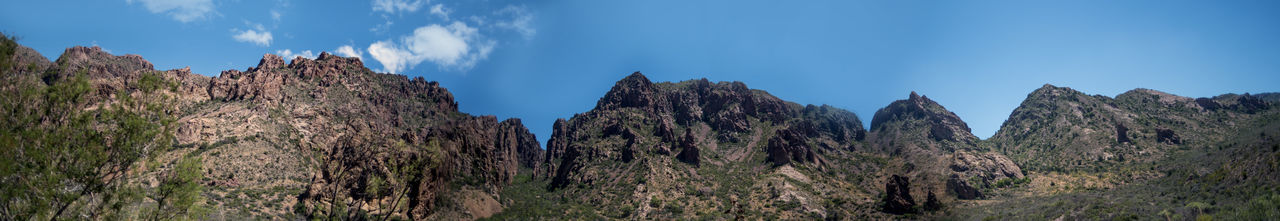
(65, 150)
(178, 196)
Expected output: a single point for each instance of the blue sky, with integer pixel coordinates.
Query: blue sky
(542, 60)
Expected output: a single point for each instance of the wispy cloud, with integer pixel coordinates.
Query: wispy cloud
(275, 15)
(289, 55)
(454, 46)
(440, 10)
(257, 35)
(520, 20)
(348, 51)
(181, 10)
(394, 6)
(382, 28)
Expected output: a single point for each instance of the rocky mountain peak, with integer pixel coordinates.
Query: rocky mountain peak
(100, 64)
(633, 91)
(81, 55)
(919, 112)
(270, 61)
(1049, 90)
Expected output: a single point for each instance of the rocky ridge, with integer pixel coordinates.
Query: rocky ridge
(311, 134)
(330, 138)
(647, 142)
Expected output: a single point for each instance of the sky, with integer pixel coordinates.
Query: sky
(543, 60)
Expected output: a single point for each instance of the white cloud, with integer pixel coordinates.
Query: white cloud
(289, 55)
(181, 10)
(393, 6)
(382, 28)
(454, 46)
(95, 44)
(261, 38)
(521, 20)
(275, 15)
(440, 10)
(393, 59)
(478, 20)
(258, 35)
(348, 51)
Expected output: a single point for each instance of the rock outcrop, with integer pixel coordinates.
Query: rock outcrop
(1165, 135)
(932, 118)
(897, 196)
(1122, 134)
(931, 203)
(790, 145)
(989, 166)
(689, 149)
(962, 189)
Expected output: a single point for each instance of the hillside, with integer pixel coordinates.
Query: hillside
(1143, 152)
(323, 137)
(696, 149)
(92, 135)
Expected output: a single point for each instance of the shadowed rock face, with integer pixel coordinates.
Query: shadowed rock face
(962, 189)
(633, 91)
(897, 197)
(1122, 134)
(689, 149)
(931, 203)
(1167, 136)
(791, 145)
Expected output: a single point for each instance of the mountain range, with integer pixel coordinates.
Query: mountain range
(329, 138)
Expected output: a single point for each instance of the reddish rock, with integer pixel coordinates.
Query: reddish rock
(790, 145)
(689, 149)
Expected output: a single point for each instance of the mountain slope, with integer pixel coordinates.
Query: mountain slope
(938, 149)
(1060, 129)
(328, 138)
(323, 137)
(702, 149)
(1144, 153)
(696, 149)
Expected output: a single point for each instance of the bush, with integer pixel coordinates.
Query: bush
(178, 195)
(73, 156)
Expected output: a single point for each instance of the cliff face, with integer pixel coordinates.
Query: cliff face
(702, 146)
(308, 136)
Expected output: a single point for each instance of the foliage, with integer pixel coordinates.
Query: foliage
(8, 49)
(178, 196)
(1008, 182)
(65, 153)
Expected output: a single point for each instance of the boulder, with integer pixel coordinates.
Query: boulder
(789, 145)
(931, 203)
(688, 149)
(1165, 135)
(1122, 134)
(897, 196)
(961, 188)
